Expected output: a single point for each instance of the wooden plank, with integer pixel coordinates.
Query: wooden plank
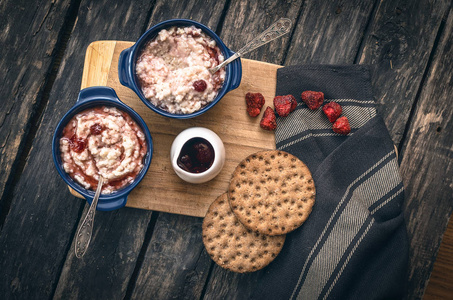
(205, 12)
(427, 165)
(397, 48)
(176, 264)
(104, 271)
(38, 231)
(229, 285)
(98, 62)
(29, 34)
(440, 285)
(318, 19)
(329, 33)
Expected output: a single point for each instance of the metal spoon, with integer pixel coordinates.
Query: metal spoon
(276, 30)
(85, 231)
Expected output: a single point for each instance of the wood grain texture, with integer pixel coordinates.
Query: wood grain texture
(440, 285)
(39, 228)
(162, 189)
(104, 271)
(397, 48)
(329, 32)
(176, 264)
(29, 31)
(427, 160)
(225, 284)
(246, 19)
(205, 12)
(98, 62)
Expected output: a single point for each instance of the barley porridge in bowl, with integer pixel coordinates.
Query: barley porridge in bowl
(103, 141)
(172, 70)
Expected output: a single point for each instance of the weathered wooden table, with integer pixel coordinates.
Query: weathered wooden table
(148, 254)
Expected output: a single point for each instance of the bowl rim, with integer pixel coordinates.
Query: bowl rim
(150, 34)
(56, 153)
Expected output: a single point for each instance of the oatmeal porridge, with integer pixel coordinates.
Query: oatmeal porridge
(103, 141)
(173, 70)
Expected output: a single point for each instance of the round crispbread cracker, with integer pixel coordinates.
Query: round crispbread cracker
(272, 192)
(231, 245)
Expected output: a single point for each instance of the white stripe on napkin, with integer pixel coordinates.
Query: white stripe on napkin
(333, 216)
(347, 227)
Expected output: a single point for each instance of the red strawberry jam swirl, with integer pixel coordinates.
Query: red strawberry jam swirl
(103, 141)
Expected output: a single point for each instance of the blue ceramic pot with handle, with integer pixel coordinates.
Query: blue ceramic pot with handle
(128, 59)
(96, 97)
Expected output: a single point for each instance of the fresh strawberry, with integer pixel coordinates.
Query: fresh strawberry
(284, 105)
(313, 99)
(268, 121)
(255, 102)
(332, 110)
(341, 126)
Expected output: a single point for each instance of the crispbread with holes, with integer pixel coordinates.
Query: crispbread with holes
(231, 245)
(272, 192)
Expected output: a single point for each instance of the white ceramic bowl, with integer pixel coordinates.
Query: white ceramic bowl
(219, 154)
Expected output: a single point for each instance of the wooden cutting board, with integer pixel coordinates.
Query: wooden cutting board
(161, 189)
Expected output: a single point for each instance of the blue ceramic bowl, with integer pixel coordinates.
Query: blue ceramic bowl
(92, 97)
(128, 59)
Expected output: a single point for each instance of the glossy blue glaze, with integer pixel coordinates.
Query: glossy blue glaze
(128, 58)
(94, 97)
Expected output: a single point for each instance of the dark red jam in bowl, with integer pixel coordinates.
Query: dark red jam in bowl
(196, 156)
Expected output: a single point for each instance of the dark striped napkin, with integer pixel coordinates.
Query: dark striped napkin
(354, 244)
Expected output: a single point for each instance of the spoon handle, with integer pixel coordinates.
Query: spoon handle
(85, 231)
(276, 30)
